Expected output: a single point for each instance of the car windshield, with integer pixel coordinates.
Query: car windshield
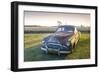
(65, 29)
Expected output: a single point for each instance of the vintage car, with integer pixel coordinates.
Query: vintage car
(62, 41)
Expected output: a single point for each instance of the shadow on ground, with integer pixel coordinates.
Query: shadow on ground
(36, 54)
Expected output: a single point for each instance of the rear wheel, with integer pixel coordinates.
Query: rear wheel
(74, 45)
(78, 40)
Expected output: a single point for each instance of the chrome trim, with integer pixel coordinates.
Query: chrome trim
(44, 49)
(64, 51)
(55, 44)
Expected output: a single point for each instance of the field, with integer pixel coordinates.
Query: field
(32, 51)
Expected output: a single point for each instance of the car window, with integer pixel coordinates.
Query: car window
(65, 29)
(60, 29)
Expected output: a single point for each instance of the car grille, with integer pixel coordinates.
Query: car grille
(53, 46)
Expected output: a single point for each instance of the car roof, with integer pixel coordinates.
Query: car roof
(66, 26)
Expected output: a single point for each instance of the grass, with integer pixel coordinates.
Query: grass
(31, 40)
(82, 51)
(32, 51)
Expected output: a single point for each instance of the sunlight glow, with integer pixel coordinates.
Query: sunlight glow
(52, 19)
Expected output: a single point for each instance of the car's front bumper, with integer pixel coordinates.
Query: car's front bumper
(63, 52)
(58, 48)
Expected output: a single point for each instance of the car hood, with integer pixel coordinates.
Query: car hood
(60, 37)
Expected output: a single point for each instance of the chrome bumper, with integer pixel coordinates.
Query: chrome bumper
(45, 49)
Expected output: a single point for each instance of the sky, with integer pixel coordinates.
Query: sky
(52, 18)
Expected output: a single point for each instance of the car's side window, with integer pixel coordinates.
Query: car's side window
(59, 29)
(63, 29)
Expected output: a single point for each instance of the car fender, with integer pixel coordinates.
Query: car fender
(72, 40)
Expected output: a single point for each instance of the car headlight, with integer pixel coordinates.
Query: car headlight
(43, 41)
(68, 43)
